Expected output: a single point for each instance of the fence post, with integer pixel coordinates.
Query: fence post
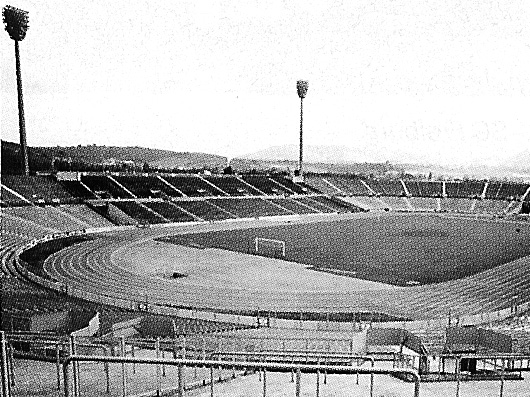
(502, 379)
(11, 365)
(318, 379)
(74, 366)
(3, 365)
(264, 382)
(458, 377)
(66, 380)
(132, 355)
(181, 381)
(123, 371)
(211, 382)
(58, 365)
(298, 375)
(372, 380)
(106, 368)
(157, 351)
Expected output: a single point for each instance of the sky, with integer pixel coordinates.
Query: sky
(444, 82)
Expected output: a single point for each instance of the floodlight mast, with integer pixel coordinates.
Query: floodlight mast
(301, 87)
(16, 25)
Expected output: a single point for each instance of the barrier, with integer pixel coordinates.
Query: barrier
(241, 365)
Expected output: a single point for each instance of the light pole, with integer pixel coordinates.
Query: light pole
(301, 87)
(16, 25)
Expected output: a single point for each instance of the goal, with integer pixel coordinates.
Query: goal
(269, 247)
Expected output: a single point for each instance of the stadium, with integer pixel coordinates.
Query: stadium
(158, 281)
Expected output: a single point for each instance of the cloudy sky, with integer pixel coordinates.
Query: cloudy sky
(445, 81)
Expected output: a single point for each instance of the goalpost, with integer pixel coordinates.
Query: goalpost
(269, 247)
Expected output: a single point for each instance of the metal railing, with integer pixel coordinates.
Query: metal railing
(298, 369)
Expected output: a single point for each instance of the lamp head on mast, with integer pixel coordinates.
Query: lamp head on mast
(301, 87)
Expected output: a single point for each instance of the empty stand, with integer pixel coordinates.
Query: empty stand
(350, 185)
(386, 187)
(170, 211)
(85, 214)
(511, 191)
(492, 190)
(104, 187)
(77, 189)
(48, 217)
(320, 185)
(37, 188)
(265, 184)
(397, 203)
(9, 198)
(231, 185)
(146, 186)
(295, 206)
(250, 208)
(205, 210)
(192, 185)
(491, 206)
(289, 184)
(430, 188)
(464, 189)
(456, 204)
(139, 212)
(423, 203)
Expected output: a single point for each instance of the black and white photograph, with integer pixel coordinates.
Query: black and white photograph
(237, 198)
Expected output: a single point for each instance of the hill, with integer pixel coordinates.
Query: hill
(42, 158)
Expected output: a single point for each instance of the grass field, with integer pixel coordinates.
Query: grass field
(398, 249)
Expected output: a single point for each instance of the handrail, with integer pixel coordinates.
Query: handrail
(275, 367)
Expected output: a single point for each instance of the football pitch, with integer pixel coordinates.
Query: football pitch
(398, 249)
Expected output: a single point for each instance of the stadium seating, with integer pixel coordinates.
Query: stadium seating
(139, 212)
(146, 186)
(492, 190)
(295, 206)
(86, 215)
(77, 189)
(464, 189)
(289, 184)
(9, 198)
(423, 203)
(232, 186)
(50, 219)
(397, 203)
(511, 191)
(319, 185)
(491, 206)
(386, 187)
(265, 184)
(430, 188)
(206, 210)
(250, 208)
(170, 211)
(104, 187)
(350, 185)
(37, 188)
(367, 203)
(191, 185)
(456, 204)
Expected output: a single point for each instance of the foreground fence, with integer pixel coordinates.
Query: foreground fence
(262, 367)
(118, 367)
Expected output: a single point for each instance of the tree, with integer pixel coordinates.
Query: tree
(16, 25)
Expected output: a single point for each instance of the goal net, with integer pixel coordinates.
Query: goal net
(269, 247)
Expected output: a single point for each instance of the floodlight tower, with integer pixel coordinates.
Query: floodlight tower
(301, 87)
(16, 25)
